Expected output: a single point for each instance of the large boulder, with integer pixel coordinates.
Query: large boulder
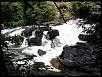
(35, 41)
(38, 38)
(95, 39)
(77, 55)
(52, 34)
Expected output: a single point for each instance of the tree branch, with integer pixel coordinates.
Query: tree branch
(59, 11)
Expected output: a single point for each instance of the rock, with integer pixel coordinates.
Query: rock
(29, 43)
(41, 52)
(28, 31)
(56, 63)
(88, 69)
(52, 34)
(77, 55)
(36, 41)
(38, 33)
(38, 65)
(89, 38)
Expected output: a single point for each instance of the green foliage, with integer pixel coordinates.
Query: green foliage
(64, 10)
(42, 12)
(12, 14)
(3, 37)
(16, 40)
(13, 39)
(84, 10)
(81, 9)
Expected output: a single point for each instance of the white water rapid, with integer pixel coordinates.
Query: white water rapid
(25, 43)
(68, 35)
(33, 34)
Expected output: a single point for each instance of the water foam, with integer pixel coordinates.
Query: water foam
(68, 35)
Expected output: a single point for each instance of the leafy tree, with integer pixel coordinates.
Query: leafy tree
(12, 14)
(26, 13)
(42, 12)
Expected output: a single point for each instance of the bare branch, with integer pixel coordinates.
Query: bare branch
(59, 11)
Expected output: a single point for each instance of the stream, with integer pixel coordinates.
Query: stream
(68, 35)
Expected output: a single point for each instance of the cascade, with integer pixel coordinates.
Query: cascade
(25, 42)
(68, 35)
(44, 40)
(33, 34)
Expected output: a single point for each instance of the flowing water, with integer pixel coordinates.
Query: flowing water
(25, 43)
(68, 35)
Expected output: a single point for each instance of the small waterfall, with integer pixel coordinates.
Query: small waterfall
(25, 42)
(44, 40)
(33, 34)
(68, 35)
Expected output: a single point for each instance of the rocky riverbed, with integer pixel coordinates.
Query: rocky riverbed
(60, 51)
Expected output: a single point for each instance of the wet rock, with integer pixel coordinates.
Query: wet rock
(77, 55)
(56, 63)
(28, 31)
(38, 33)
(89, 38)
(52, 34)
(29, 43)
(38, 65)
(35, 41)
(41, 52)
